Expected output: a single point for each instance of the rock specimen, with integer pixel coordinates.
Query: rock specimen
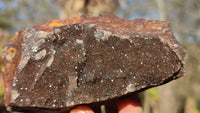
(82, 60)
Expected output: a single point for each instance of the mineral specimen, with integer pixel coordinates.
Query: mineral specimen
(83, 60)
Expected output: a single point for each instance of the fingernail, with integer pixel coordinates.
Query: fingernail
(130, 105)
(82, 109)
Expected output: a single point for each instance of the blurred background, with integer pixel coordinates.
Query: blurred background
(180, 96)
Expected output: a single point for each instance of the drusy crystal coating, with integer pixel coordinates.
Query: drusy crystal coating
(82, 60)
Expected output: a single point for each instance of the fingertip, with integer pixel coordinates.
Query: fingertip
(82, 109)
(130, 105)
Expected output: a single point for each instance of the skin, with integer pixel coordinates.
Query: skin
(127, 105)
(130, 105)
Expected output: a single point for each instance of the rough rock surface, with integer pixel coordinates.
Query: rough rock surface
(82, 60)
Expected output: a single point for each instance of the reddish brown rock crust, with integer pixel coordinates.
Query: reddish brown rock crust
(82, 60)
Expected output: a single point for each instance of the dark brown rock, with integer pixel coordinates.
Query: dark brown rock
(83, 60)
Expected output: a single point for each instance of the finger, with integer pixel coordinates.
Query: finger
(130, 105)
(82, 109)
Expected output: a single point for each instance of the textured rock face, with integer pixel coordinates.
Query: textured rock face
(81, 60)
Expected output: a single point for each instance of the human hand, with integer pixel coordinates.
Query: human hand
(128, 105)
